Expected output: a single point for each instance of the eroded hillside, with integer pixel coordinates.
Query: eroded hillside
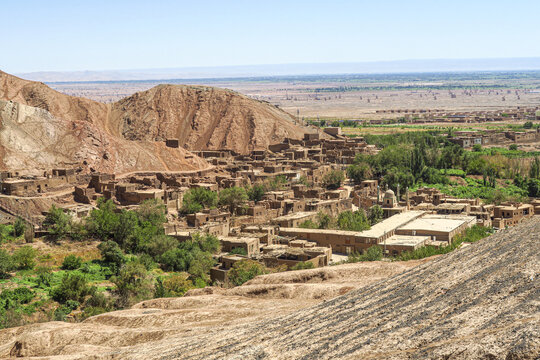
(42, 127)
(202, 118)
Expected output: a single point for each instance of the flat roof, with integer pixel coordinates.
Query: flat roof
(391, 223)
(433, 223)
(376, 230)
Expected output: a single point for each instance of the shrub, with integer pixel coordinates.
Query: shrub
(111, 254)
(353, 221)
(176, 285)
(303, 265)
(44, 276)
(71, 262)
(132, 284)
(374, 253)
(513, 147)
(245, 270)
(159, 245)
(74, 286)
(6, 264)
(375, 214)
(333, 179)
(238, 251)
(24, 258)
(19, 227)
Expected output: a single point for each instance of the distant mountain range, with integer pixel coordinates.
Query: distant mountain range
(398, 66)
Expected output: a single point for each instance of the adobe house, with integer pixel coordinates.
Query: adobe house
(294, 219)
(292, 256)
(172, 143)
(250, 244)
(510, 215)
(212, 215)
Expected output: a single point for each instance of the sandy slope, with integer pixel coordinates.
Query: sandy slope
(124, 333)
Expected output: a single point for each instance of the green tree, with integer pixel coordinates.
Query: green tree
(528, 125)
(133, 284)
(256, 192)
(6, 264)
(245, 270)
(375, 214)
(513, 147)
(112, 255)
(233, 198)
(353, 221)
(477, 147)
(333, 179)
(19, 227)
(196, 199)
(173, 286)
(57, 223)
(103, 221)
(359, 172)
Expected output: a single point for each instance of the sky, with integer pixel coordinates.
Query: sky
(73, 35)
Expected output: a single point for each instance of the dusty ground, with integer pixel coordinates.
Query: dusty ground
(326, 97)
(479, 302)
(264, 297)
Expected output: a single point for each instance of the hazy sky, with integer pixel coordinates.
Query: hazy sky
(97, 35)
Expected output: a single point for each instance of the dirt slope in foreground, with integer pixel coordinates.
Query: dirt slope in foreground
(122, 334)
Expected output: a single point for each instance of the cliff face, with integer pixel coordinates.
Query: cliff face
(129, 134)
(202, 118)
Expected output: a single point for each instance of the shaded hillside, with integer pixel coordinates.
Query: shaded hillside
(202, 118)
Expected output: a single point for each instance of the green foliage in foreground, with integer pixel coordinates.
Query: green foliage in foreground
(245, 270)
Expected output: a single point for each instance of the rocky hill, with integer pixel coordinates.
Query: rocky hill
(42, 127)
(202, 118)
(479, 302)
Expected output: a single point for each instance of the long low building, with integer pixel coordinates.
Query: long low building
(348, 241)
(401, 232)
(438, 227)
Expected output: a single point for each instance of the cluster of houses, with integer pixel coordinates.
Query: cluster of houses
(422, 116)
(269, 230)
(467, 139)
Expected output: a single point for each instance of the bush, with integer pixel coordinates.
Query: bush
(111, 254)
(6, 264)
(24, 258)
(19, 227)
(245, 270)
(238, 251)
(44, 276)
(374, 253)
(132, 284)
(353, 221)
(176, 285)
(74, 286)
(513, 147)
(159, 245)
(303, 265)
(375, 214)
(71, 262)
